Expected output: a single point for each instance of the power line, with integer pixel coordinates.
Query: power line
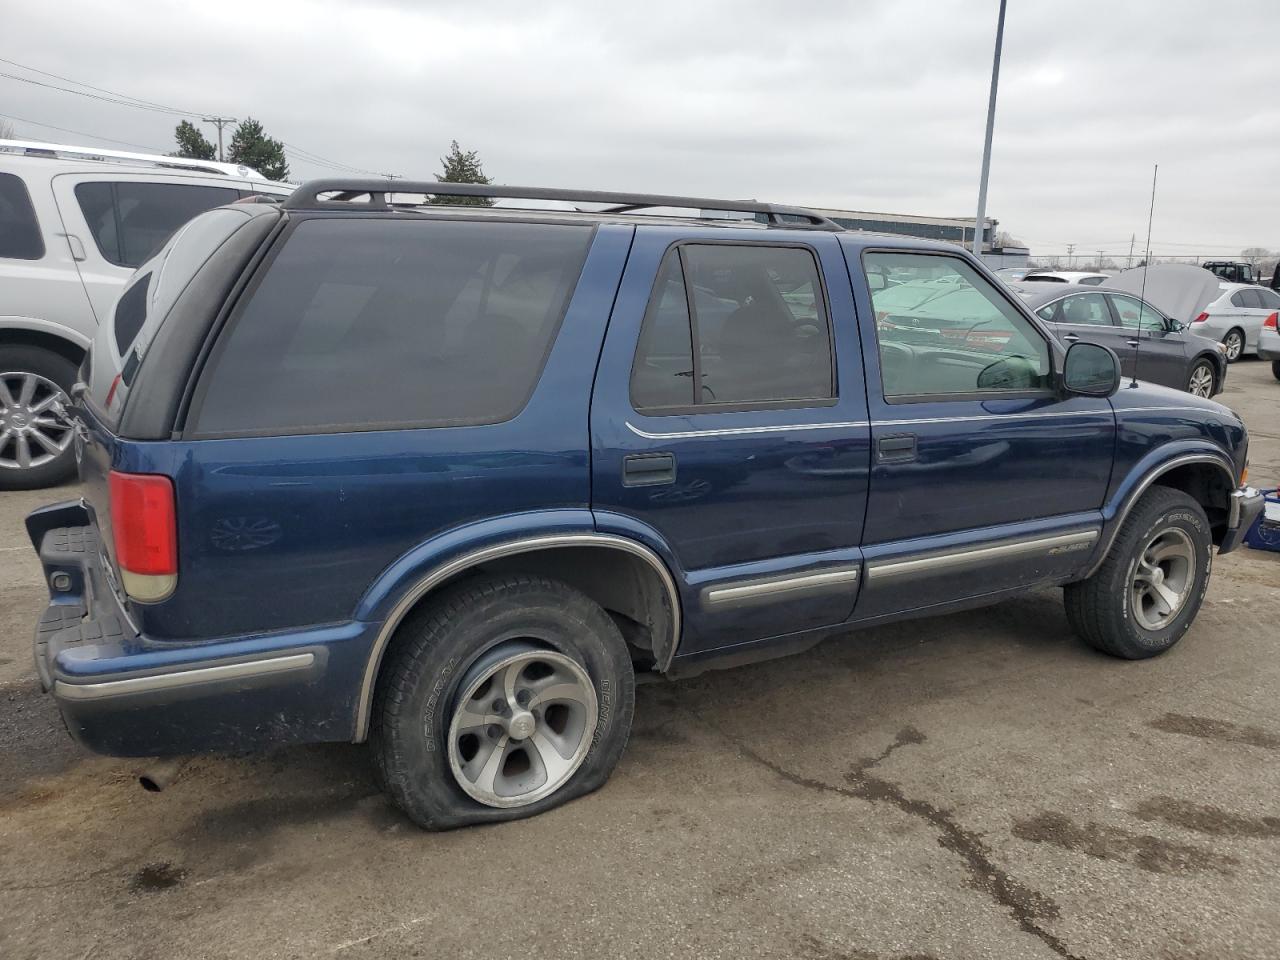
(81, 133)
(125, 100)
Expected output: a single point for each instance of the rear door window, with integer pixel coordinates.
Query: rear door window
(19, 232)
(367, 324)
(745, 323)
(131, 220)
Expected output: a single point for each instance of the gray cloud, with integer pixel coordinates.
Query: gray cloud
(875, 106)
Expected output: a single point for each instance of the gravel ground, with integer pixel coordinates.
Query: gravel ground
(980, 785)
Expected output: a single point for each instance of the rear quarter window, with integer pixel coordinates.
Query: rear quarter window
(19, 232)
(365, 324)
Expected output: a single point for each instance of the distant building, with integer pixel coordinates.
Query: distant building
(957, 230)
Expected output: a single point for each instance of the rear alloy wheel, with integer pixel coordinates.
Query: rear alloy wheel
(35, 429)
(1234, 342)
(503, 697)
(1200, 383)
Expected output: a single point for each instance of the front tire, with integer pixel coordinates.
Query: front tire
(35, 433)
(1149, 589)
(503, 698)
(1201, 382)
(1234, 342)
(1275, 369)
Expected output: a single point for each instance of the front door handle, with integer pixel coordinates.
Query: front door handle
(896, 449)
(1071, 338)
(648, 469)
(1132, 343)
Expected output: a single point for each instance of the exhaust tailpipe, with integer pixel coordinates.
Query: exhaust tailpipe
(161, 774)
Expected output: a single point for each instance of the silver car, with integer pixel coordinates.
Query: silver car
(1269, 343)
(1236, 317)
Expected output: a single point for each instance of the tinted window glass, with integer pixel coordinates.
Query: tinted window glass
(371, 324)
(943, 329)
(19, 232)
(759, 323)
(1238, 299)
(1270, 299)
(662, 375)
(131, 311)
(131, 221)
(1085, 308)
(1131, 312)
(1092, 281)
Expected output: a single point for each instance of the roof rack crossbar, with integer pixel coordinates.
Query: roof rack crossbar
(309, 197)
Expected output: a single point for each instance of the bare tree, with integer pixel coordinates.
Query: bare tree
(6, 130)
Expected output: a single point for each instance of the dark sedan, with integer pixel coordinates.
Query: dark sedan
(1158, 346)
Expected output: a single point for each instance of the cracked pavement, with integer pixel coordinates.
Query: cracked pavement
(976, 786)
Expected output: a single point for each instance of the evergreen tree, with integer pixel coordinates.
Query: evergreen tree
(192, 143)
(462, 166)
(253, 148)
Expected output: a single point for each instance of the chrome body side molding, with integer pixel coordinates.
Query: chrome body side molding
(937, 562)
(177, 679)
(444, 571)
(747, 591)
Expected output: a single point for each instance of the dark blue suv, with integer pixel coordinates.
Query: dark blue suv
(380, 466)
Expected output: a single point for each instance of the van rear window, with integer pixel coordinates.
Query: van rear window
(366, 324)
(19, 233)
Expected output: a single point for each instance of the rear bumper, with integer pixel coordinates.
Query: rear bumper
(125, 694)
(1246, 504)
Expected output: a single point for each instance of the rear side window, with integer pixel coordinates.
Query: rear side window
(131, 312)
(19, 232)
(377, 324)
(130, 221)
(1240, 299)
(1270, 299)
(734, 324)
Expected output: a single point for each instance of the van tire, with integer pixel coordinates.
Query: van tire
(1104, 611)
(21, 358)
(437, 652)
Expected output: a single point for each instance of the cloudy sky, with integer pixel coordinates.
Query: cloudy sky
(873, 105)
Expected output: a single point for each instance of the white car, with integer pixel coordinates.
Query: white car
(74, 223)
(1066, 276)
(1269, 343)
(1237, 317)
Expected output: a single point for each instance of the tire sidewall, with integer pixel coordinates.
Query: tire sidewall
(1195, 525)
(421, 778)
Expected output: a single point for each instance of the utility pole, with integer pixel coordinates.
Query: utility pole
(1071, 260)
(1099, 261)
(220, 122)
(1129, 262)
(986, 147)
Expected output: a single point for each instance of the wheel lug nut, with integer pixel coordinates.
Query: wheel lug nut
(499, 705)
(494, 731)
(523, 697)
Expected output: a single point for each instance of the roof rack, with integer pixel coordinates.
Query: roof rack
(59, 151)
(310, 196)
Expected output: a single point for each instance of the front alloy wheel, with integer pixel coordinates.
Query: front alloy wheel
(1201, 382)
(1162, 579)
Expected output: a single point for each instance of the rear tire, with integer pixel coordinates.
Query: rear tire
(23, 424)
(553, 659)
(1275, 369)
(1149, 589)
(1234, 342)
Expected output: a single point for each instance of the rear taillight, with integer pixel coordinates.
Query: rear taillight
(1271, 321)
(1201, 319)
(144, 528)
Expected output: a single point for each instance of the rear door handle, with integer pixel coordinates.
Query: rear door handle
(898, 449)
(75, 246)
(648, 469)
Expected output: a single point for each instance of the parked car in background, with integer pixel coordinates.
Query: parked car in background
(319, 505)
(1232, 271)
(74, 224)
(1236, 317)
(1012, 274)
(1159, 348)
(1065, 276)
(1269, 343)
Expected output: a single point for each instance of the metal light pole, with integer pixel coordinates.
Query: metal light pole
(986, 147)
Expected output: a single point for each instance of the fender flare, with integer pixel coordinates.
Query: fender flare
(49, 327)
(1140, 480)
(443, 569)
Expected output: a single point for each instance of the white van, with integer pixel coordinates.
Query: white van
(74, 224)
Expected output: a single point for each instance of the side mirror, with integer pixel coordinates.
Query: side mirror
(1091, 370)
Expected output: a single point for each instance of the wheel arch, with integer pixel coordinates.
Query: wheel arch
(52, 337)
(1206, 476)
(628, 579)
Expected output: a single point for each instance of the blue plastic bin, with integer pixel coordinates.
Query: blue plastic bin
(1265, 534)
